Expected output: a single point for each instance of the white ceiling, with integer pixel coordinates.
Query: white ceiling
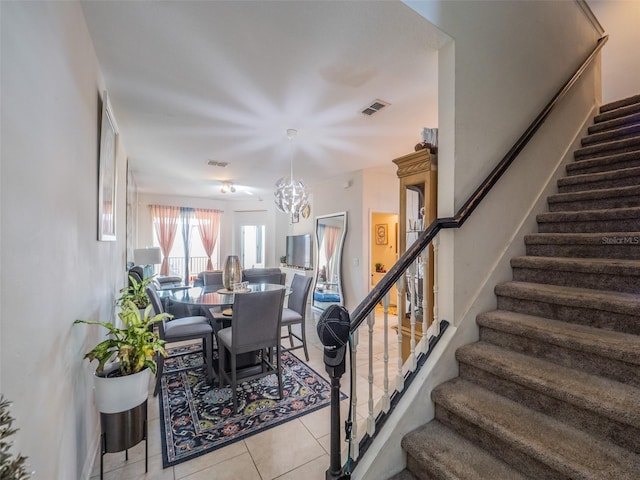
(192, 81)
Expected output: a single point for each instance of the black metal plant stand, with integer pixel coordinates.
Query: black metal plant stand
(123, 430)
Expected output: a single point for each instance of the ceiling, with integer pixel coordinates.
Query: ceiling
(193, 81)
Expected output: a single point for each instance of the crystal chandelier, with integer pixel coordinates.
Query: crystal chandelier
(291, 195)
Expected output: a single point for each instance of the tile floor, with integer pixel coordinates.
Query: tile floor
(298, 449)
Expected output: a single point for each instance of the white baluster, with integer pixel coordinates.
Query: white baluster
(424, 262)
(411, 361)
(354, 397)
(385, 338)
(371, 423)
(401, 301)
(435, 326)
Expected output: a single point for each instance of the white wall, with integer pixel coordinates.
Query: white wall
(620, 61)
(358, 193)
(331, 196)
(53, 268)
(507, 61)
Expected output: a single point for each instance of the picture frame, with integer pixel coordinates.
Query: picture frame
(107, 171)
(381, 234)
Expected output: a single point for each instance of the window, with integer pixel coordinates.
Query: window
(252, 246)
(197, 254)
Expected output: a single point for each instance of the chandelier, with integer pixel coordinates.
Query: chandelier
(291, 194)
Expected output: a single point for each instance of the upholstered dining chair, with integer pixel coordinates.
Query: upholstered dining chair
(137, 273)
(296, 312)
(255, 326)
(212, 278)
(179, 330)
(264, 275)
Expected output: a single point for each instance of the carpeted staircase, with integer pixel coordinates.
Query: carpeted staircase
(552, 389)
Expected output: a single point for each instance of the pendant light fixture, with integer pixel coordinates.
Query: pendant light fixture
(291, 195)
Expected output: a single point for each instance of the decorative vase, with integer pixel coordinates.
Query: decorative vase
(232, 272)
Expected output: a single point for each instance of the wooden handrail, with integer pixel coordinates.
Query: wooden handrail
(365, 307)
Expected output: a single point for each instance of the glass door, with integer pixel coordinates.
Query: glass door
(252, 251)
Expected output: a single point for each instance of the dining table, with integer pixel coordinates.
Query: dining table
(210, 296)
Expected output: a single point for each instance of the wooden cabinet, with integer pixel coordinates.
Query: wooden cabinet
(418, 177)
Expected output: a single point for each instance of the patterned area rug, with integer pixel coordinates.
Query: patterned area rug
(197, 418)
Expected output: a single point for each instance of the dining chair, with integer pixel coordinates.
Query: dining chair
(264, 275)
(137, 273)
(212, 278)
(296, 311)
(179, 330)
(255, 327)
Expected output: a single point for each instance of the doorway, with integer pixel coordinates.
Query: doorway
(384, 249)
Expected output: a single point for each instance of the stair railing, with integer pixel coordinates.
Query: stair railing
(411, 265)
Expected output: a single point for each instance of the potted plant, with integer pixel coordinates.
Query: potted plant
(135, 292)
(126, 360)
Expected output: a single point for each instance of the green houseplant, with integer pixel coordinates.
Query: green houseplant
(126, 360)
(135, 292)
(134, 345)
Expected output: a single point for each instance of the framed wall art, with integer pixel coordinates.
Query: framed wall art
(107, 173)
(381, 234)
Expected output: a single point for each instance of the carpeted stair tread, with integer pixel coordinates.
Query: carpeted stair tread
(624, 303)
(618, 346)
(626, 131)
(604, 164)
(584, 221)
(586, 181)
(598, 273)
(607, 398)
(614, 123)
(585, 245)
(623, 102)
(571, 238)
(610, 266)
(620, 197)
(620, 108)
(451, 456)
(607, 148)
(568, 451)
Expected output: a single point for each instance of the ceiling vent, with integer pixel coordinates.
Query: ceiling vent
(213, 163)
(375, 107)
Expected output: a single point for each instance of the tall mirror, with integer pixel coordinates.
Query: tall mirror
(327, 286)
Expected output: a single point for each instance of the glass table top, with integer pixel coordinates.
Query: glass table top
(214, 295)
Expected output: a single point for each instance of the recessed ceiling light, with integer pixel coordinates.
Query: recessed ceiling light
(214, 163)
(375, 106)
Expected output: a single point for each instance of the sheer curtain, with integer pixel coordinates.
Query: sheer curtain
(165, 221)
(209, 227)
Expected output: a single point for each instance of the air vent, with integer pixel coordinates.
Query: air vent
(375, 107)
(213, 163)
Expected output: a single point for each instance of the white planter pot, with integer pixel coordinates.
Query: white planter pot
(119, 394)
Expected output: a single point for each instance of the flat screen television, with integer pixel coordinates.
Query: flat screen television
(299, 251)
